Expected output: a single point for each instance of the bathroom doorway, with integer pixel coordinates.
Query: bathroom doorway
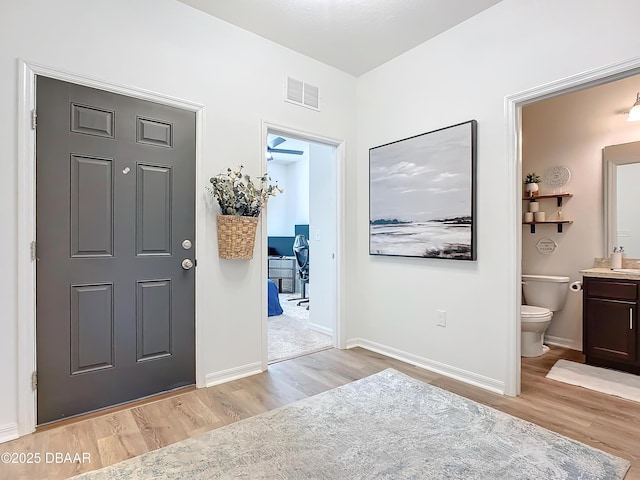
(584, 209)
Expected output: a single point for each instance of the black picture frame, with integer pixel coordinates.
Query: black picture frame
(422, 195)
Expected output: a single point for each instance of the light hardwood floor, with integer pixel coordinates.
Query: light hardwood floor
(599, 420)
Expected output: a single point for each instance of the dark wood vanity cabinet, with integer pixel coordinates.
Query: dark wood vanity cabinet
(610, 323)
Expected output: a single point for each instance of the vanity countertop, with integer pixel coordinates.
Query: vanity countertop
(608, 273)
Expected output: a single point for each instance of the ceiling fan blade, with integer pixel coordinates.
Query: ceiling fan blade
(283, 150)
(276, 141)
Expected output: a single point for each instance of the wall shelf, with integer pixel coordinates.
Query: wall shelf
(559, 197)
(559, 223)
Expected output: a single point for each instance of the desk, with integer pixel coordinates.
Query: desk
(282, 270)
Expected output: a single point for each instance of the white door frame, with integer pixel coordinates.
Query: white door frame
(512, 106)
(339, 334)
(27, 71)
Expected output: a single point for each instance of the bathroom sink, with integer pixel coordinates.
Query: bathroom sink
(633, 271)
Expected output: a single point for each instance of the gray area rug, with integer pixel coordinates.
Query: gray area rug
(605, 380)
(386, 426)
(289, 334)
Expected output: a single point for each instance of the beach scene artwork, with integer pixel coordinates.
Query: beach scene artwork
(421, 196)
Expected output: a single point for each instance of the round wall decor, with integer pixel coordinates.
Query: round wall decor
(557, 176)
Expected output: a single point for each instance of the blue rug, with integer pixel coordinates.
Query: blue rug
(386, 426)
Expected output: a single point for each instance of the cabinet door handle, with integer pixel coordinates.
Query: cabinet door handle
(630, 318)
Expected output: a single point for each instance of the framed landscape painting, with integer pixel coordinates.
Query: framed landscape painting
(422, 195)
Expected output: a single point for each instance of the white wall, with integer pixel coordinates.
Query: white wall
(571, 130)
(278, 224)
(167, 47)
(291, 207)
(465, 73)
(322, 241)
(300, 194)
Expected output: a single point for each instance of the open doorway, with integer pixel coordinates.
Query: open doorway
(586, 203)
(564, 137)
(302, 242)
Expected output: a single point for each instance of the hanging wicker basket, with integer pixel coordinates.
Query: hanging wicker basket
(236, 237)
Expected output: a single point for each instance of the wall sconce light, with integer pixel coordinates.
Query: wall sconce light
(634, 113)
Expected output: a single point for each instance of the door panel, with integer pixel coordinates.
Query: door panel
(115, 199)
(91, 327)
(91, 206)
(153, 200)
(154, 319)
(154, 132)
(92, 120)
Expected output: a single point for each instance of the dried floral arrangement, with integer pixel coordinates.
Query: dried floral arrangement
(237, 194)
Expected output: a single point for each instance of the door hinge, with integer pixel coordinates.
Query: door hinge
(34, 380)
(34, 119)
(33, 251)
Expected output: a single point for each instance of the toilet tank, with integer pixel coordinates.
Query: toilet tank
(547, 291)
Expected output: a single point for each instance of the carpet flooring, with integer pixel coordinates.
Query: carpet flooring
(605, 380)
(385, 426)
(290, 335)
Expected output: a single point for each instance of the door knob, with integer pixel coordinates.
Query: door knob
(187, 264)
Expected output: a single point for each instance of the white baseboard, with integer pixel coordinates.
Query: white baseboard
(321, 329)
(8, 432)
(224, 376)
(352, 342)
(465, 376)
(563, 342)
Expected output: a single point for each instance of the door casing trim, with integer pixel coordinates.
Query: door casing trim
(26, 211)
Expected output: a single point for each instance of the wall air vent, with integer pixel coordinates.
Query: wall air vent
(302, 94)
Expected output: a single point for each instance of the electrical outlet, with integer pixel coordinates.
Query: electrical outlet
(441, 318)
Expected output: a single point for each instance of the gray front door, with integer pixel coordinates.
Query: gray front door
(115, 202)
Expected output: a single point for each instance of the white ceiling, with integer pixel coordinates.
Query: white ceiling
(354, 36)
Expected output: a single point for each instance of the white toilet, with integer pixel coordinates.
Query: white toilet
(543, 295)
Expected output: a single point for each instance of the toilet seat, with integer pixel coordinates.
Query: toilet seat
(532, 313)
